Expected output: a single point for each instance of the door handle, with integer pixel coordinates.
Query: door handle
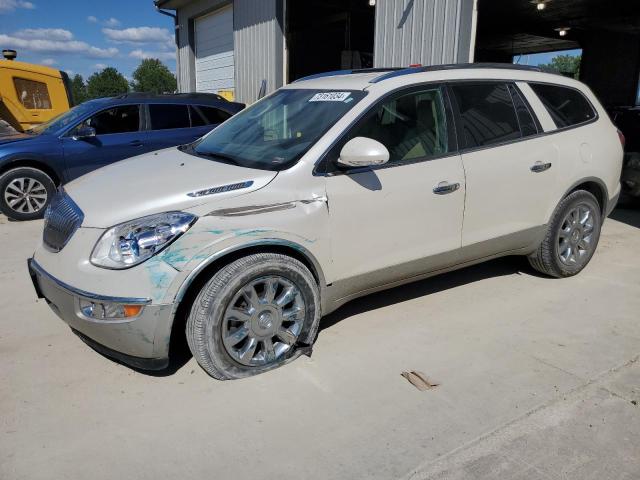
(540, 167)
(135, 143)
(445, 187)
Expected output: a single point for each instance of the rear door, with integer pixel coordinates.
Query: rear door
(118, 136)
(508, 165)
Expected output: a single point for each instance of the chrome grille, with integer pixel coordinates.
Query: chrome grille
(61, 220)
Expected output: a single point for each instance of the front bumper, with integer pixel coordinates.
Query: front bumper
(142, 342)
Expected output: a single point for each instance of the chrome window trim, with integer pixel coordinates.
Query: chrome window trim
(33, 265)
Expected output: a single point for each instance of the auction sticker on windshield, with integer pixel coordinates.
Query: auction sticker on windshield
(330, 97)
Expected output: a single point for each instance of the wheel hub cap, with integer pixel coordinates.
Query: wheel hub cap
(575, 238)
(263, 321)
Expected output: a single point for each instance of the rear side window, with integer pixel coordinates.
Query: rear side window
(201, 116)
(487, 113)
(33, 95)
(566, 106)
(165, 116)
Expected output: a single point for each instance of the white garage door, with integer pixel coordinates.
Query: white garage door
(214, 51)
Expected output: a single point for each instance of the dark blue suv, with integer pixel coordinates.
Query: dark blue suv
(94, 134)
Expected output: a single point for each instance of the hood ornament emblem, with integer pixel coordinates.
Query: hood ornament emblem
(222, 189)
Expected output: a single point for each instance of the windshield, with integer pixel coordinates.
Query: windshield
(70, 117)
(274, 133)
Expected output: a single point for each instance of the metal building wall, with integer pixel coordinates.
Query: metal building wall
(428, 32)
(185, 68)
(258, 47)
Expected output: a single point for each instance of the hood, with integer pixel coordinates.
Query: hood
(158, 182)
(11, 137)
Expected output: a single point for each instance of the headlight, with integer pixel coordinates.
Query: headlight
(133, 242)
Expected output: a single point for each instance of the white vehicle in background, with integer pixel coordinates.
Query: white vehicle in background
(331, 188)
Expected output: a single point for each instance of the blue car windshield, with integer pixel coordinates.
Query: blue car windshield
(70, 117)
(274, 133)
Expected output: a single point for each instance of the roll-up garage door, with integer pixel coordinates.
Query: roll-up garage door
(214, 51)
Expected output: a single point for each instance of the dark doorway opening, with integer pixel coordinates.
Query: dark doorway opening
(325, 35)
(607, 32)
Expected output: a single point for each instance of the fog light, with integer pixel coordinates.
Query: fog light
(108, 311)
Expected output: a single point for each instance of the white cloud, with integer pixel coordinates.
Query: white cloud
(71, 73)
(56, 34)
(11, 5)
(100, 66)
(48, 61)
(138, 34)
(142, 54)
(56, 46)
(112, 22)
(92, 19)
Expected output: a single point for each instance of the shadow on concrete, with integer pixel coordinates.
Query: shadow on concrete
(629, 216)
(438, 283)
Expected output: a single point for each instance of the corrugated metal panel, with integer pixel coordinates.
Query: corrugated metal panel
(258, 47)
(429, 32)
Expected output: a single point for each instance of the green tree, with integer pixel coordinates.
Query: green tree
(106, 83)
(567, 65)
(153, 76)
(78, 89)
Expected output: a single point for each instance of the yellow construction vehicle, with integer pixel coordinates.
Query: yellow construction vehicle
(31, 94)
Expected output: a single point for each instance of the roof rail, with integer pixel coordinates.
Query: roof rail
(336, 73)
(458, 66)
(193, 95)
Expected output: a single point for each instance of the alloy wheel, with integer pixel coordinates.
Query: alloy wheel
(263, 321)
(576, 235)
(25, 195)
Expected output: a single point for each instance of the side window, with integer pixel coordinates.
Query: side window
(201, 116)
(487, 112)
(165, 116)
(33, 95)
(566, 106)
(124, 119)
(411, 125)
(528, 125)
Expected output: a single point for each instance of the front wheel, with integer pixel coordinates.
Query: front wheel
(572, 236)
(25, 193)
(253, 315)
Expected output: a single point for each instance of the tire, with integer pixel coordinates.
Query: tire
(571, 238)
(38, 186)
(234, 325)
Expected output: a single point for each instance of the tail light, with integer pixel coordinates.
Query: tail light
(622, 139)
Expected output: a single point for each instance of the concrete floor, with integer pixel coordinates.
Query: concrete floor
(538, 381)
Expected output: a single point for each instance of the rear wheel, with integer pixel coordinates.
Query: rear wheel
(572, 236)
(25, 193)
(252, 315)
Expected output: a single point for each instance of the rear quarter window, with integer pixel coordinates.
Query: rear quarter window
(566, 106)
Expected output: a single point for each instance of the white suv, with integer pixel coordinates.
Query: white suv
(331, 188)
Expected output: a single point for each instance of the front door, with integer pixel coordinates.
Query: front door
(403, 218)
(118, 136)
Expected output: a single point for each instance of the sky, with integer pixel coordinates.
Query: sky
(85, 36)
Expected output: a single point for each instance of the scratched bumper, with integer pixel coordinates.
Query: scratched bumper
(142, 342)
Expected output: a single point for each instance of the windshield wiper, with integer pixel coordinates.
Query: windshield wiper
(215, 155)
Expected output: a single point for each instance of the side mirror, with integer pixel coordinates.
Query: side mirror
(363, 152)
(84, 132)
